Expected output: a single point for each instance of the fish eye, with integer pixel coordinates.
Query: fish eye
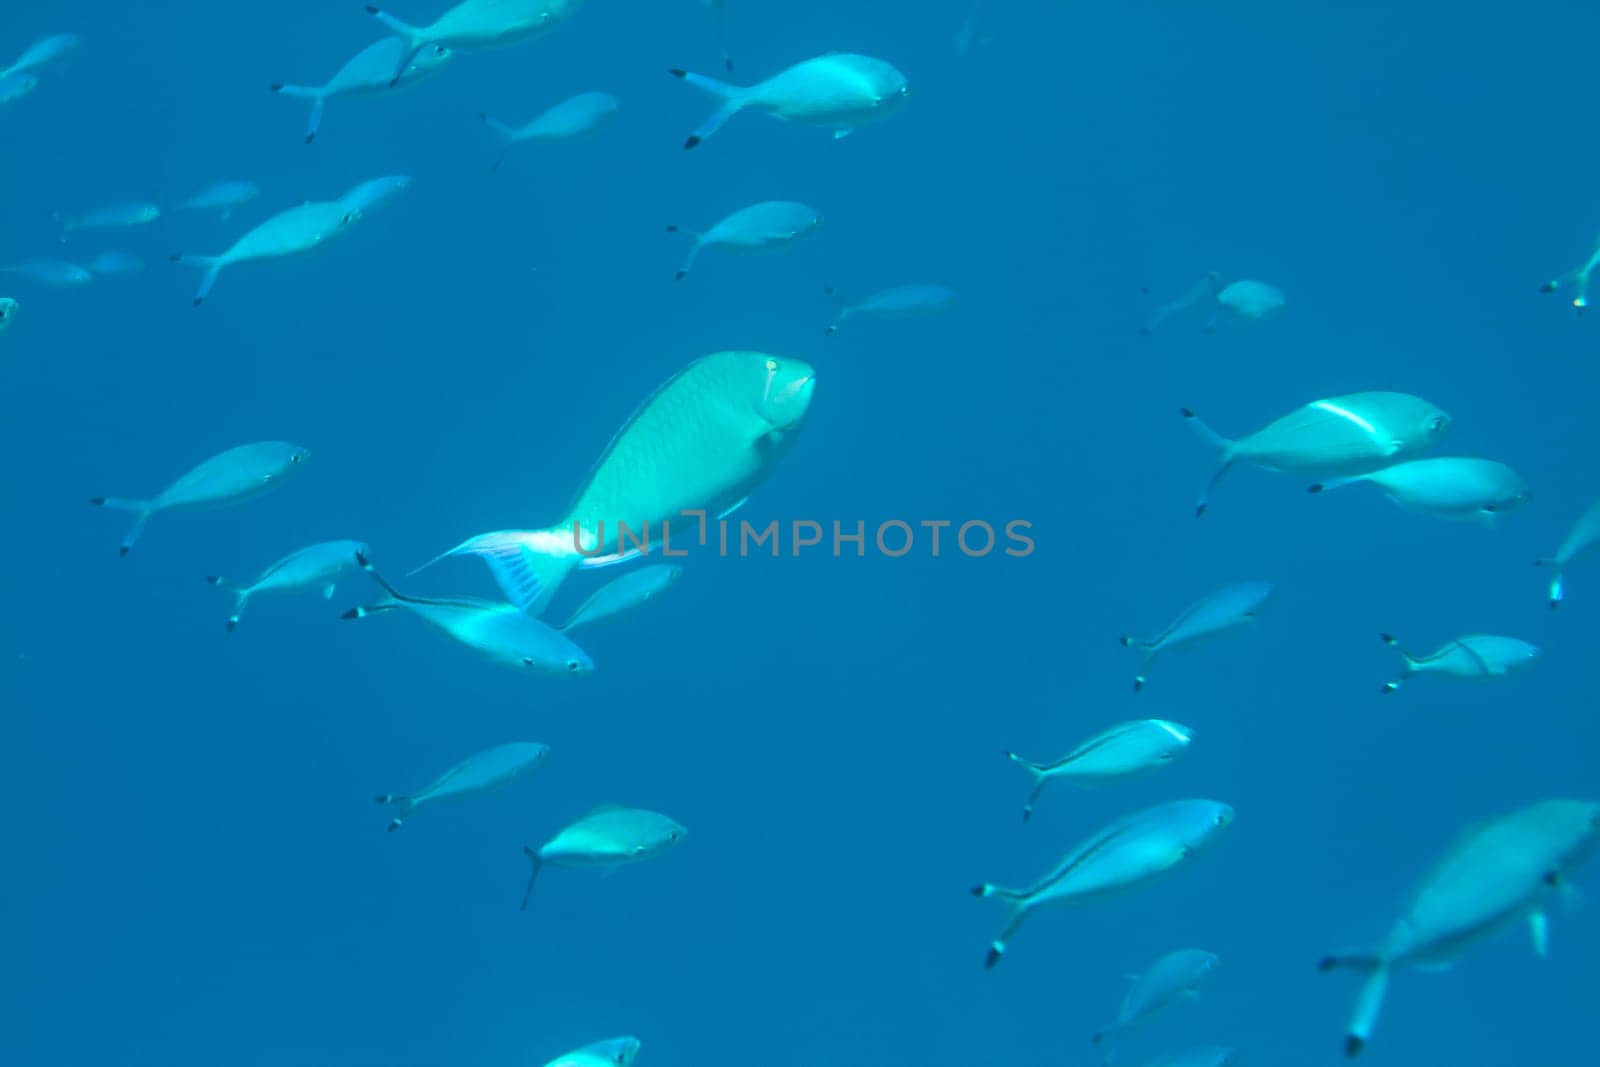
(573, 666)
(772, 366)
(527, 661)
(1436, 423)
(1220, 820)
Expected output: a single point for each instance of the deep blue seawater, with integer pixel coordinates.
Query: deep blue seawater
(194, 872)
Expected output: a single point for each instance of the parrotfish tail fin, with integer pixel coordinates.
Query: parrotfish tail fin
(241, 598)
(1217, 441)
(529, 578)
(997, 949)
(412, 35)
(142, 511)
(1558, 588)
(304, 92)
(538, 862)
(212, 265)
(1369, 1002)
(733, 98)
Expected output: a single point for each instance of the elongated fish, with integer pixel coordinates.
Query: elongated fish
(1175, 978)
(703, 441)
(232, 477)
(1227, 609)
(114, 216)
(1501, 873)
(624, 594)
(368, 72)
(41, 52)
(481, 772)
(288, 233)
(478, 24)
(314, 567)
(51, 272)
(1131, 851)
(838, 91)
(764, 227)
(899, 302)
(1202, 1056)
(1448, 487)
(1584, 536)
(8, 311)
(1348, 434)
(501, 632)
(1578, 277)
(1121, 751)
(606, 838)
(16, 86)
(1475, 656)
(223, 197)
(574, 117)
(612, 1052)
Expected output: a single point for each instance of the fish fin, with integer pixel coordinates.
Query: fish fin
(143, 508)
(1335, 483)
(1558, 588)
(1411, 663)
(997, 948)
(528, 577)
(538, 861)
(1539, 932)
(1217, 441)
(302, 92)
(211, 265)
(1369, 1002)
(688, 262)
(1474, 655)
(497, 126)
(1039, 774)
(590, 563)
(412, 35)
(733, 100)
(327, 591)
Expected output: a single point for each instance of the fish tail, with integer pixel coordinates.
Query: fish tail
(211, 265)
(538, 862)
(1333, 483)
(1558, 588)
(241, 598)
(497, 126)
(404, 803)
(363, 610)
(1219, 442)
(732, 97)
(688, 261)
(1411, 662)
(1039, 772)
(305, 92)
(1037, 769)
(997, 948)
(142, 508)
(527, 564)
(1369, 1001)
(412, 35)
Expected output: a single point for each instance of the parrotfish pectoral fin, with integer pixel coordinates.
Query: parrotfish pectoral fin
(1539, 932)
(141, 507)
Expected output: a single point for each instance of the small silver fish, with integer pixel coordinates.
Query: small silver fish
(1171, 980)
(606, 838)
(837, 91)
(223, 197)
(51, 272)
(1475, 656)
(761, 227)
(1122, 751)
(901, 301)
(479, 773)
(367, 73)
(314, 567)
(373, 194)
(295, 231)
(624, 594)
(572, 118)
(472, 24)
(231, 477)
(1216, 613)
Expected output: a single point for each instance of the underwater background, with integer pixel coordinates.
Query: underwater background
(194, 871)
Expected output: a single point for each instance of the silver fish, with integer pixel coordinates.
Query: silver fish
(902, 301)
(231, 477)
(298, 230)
(624, 594)
(838, 91)
(1448, 487)
(1175, 978)
(314, 567)
(1474, 656)
(223, 197)
(1129, 852)
(481, 772)
(573, 117)
(761, 227)
(368, 72)
(606, 838)
(1122, 751)
(1227, 609)
(1500, 873)
(373, 194)
(115, 216)
(51, 272)
(1585, 534)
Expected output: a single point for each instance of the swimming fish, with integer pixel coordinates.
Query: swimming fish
(704, 441)
(1449, 488)
(1583, 536)
(41, 52)
(1579, 277)
(1121, 751)
(299, 229)
(573, 117)
(501, 632)
(1245, 299)
(16, 86)
(479, 773)
(115, 263)
(8, 311)
(1175, 978)
(1501, 873)
(1204, 1056)
(719, 16)
(232, 477)
(624, 594)
(902, 301)
(763, 227)
(116, 216)
(478, 24)
(367, 73)
(51, 272)
(314, 567)
(1129, 852)
(223, 197)
(1339, 435)
(839, 91)
(606, 838)
(372, 194)
(612, 1052)
(1473, 656)
(1227, 609)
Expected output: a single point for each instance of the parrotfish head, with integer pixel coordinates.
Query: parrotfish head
(785, 391)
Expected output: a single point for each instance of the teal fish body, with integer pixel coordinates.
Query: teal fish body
(482, 772)
(1447, 487)
(762, 227)
(224, 196)
(52, 272)
(901, 301)
(839, 91)
(612, 1052)
(1473, 657)
(372, 194)
(298, 230)
(1250, 300)
(475, 24)
(114, 216)
(367, 73)
(1171, 980)
(500, 632)
(1121, 751)
(316, 566)
(573, 117)
(1229, 608)
(606, 838)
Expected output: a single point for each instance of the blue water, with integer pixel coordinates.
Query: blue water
(194, 871)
